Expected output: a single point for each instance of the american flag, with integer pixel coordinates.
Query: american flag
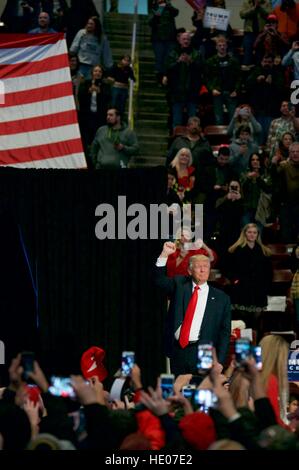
(38, 119)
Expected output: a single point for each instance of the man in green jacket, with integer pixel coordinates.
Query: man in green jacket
(113, 144)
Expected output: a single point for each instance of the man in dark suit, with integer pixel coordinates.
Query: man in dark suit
(198, 313)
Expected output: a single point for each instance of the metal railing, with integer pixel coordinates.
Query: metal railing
(133, 88)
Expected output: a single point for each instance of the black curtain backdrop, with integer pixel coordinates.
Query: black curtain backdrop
(90, 292)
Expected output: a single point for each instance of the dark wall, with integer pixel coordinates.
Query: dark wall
(90, 292)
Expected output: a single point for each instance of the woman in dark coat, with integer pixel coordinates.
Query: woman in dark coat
(93, 97)
(250, 271)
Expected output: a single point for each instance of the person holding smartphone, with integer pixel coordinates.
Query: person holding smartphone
(177, 263)
(198, 313)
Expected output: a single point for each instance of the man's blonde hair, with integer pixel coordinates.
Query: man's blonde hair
(195, 258)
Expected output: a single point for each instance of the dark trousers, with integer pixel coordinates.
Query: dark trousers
(184, 361)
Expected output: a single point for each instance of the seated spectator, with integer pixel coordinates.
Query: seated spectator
(43, 24)
(292, 58)
(178, 262)
(244, 116)
(195, 141)
(223, 80)
(93, 97)
(114, 143)
(163, 33)
(287, 122)
(288, 18)
(253, 182)
(120, 75)
(204, 38)
(92, 47)
(240, 150)
(182, 163)
(281, 152)
(184, 78)
(265, 85)
(270, 41)
(250, 270)
(254, 14)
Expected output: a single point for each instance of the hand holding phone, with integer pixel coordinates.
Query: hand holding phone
(242, 351)
(27, 362)
(62, 387)
(204, 358)
(188, 391)
(127, 362)
(166, 384)
(205, 399)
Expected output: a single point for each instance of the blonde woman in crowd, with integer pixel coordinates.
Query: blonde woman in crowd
(275, 352)
(182, 163)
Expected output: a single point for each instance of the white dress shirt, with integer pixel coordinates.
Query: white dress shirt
(203, 293)
(202, 298)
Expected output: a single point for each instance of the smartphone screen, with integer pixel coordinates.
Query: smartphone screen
(188, 391)
(242, 350)
(127, 362)
(205, 399)
(27, 360)
(257, 354)
(204, 357)
(62, 387)
(167, 381)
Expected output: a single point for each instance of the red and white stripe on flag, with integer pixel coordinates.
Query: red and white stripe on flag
(38, 118)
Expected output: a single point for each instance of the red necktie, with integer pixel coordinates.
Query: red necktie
(187, 322)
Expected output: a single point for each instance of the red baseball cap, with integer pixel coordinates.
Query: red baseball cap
(92, 363)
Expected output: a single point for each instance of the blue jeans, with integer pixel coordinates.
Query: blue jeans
(177, 112)
(229, 102)
(119, 98)
(161, 51)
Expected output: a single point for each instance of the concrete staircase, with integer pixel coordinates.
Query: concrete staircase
(151, 110)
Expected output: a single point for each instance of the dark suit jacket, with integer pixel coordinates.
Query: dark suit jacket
(216, 324)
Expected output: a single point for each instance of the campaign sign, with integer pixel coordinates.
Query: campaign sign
(293, 365)
(217, 18)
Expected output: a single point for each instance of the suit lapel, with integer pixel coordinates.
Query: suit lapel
(208, 314)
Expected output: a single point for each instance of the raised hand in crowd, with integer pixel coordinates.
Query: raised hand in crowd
(154, 400)
(86, 394)
(39, 377)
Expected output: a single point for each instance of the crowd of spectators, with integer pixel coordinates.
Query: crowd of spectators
(237, 408)
(247, 184)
